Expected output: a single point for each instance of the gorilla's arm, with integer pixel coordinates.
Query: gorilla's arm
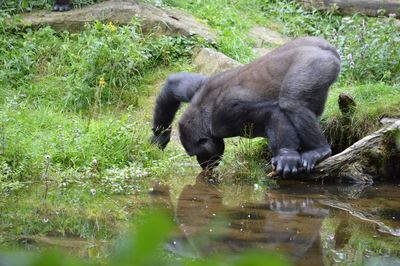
(179, 87)
(284, 144)
(261, 119)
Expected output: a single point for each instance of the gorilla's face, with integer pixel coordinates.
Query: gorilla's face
(197, 140)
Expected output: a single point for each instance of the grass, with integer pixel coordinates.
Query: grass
(230, 21)
(374, 102)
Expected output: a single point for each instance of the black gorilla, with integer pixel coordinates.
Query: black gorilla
(279, 96)
(61, 5)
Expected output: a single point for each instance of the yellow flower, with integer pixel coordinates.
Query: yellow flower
(111, 27)
(102, 82)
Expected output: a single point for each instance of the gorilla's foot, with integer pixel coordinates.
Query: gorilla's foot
(61, 8)
(310, 158)
(287, 162)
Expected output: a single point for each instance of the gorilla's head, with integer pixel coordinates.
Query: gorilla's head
(196, 138)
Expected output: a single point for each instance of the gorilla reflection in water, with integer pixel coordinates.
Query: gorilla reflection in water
(280, 223)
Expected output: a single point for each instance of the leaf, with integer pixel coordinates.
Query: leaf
(24, 4)
(141, 248)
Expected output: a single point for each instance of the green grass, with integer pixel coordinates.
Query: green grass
(374, 102)
(230, 21)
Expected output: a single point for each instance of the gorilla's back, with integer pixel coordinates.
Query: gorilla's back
(262, 79)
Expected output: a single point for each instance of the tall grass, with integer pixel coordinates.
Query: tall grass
(61, 94)
(369, 47)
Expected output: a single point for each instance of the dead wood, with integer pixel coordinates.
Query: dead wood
(368, 7)
(363, 161)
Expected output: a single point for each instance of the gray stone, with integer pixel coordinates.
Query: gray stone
(259, 52)
(264, 36)
(211, 62)
(162, 20)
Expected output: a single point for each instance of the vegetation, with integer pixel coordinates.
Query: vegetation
(75, 109)
(17, 6)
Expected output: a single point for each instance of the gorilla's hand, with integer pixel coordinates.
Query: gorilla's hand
(161, 139)
(208, 162)
(286, 162)
(310, 158)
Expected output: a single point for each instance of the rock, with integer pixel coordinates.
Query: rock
(264, 36)
(347, 105)
(368, 7)
(164, 20)
(259, 52)
(211, 62)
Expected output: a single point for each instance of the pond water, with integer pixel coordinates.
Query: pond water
(311, 223)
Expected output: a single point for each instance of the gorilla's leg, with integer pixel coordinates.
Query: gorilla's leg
(302, 98)
(178, 88)
(61, 5)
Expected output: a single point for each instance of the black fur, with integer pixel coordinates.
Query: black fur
(279, 96)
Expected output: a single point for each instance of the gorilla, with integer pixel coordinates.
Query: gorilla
(279, 96)
(61, 5)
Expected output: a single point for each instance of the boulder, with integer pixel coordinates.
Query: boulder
(163, 20)
(259, 52)
(211, 62)
(267, 37)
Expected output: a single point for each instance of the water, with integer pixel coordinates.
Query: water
(311, 223)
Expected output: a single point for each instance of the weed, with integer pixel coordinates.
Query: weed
(369, 47)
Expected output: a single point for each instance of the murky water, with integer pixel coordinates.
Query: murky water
(313, 224)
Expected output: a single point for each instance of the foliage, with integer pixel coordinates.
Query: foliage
(369, 47)
(227, 19)
(374, 101)
(108, 61)
(246, 161)
(101, 65)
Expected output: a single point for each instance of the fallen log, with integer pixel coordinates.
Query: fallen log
(367, 7)
(365, 160)
(374, 156)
